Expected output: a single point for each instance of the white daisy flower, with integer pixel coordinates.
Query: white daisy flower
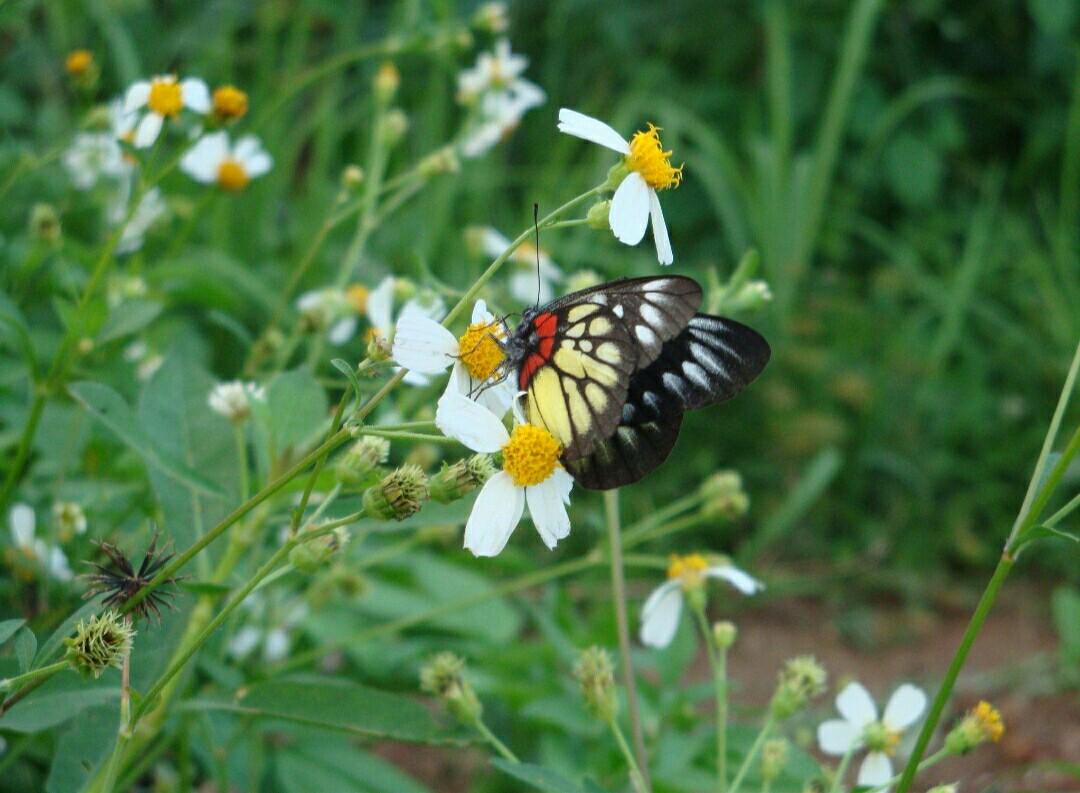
(860, 727)
(163, 97)
(122, 122)
(233, 400)
(151, 209)
(531, 475)
(213, 161)
(523, 278)
(663, 608)
(498, 71)
(424, 346)
(23, 525)
(501, 96)
(380, 313)
(650, 170)
(91, 156)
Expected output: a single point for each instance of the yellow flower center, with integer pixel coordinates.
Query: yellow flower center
(479, 349)
(880, 738)
(230, 102)
(231, 175)
(166, 99)
(530, 456)
(357, 296)
(78, 62)
(989, 720)
(648, 158)
(689, 569)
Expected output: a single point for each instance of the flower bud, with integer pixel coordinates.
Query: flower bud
(444, 677)
(774, 756)
(352, 176)
(378, 347)
(723, 496)
(78, 62)
(387, 80)
(615, 176)
(360, 461)
(400, 494)
(404, 290)
(69, 518)
(85, 345)
(801, 679)
(230, 103)
(100, 642)
(45, 223)
(491, 18)
(981, 724)
(597, 217)
(310, 555)
(596, 675)
(724, 634)
(394, 125)
(750, 296)
(464, 476)
(444, 160)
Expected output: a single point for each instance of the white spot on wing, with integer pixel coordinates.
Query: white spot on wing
(674, 384)
(695, 373)
(618, 311)
(645, 335)
(651, 315)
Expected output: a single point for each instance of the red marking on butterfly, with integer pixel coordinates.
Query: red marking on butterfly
(545, 325)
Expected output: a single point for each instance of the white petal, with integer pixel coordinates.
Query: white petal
(905, 707)
(494, 516)
(629, 215)
(564, 482)
(480, 313)
(58, 565)
(582, 126)
(660, 615)
(250, 153)
(742, 581)
(415, 379)
(423, 345)
(195, 94)
(548, 511)
(473, 424)
(856, 705)
(202, 161)
(137, 95)
(875, 770)
(341, 331)
(22, 522)
(148, 130)
(664, 254)
(244, 641)
(837, 736)
(380, 304)
(276, 646)
(496, 397)
(493, 242)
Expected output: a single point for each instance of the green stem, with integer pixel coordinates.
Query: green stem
(408, 436)
(493, 739)
(841, 769)
(618, 595)
(637, 779)
(937, 757)
(241, 460)
(718, 664)
(335, 425)
(29, 677)
(751, 755)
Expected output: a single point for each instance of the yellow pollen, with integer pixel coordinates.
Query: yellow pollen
(479, 349)
(530, 456)
(230, 102)
(989, 720)
(78, 62)
(648, 158)
(357, 296)
(689, 568)
(166, 98)
(231, 175)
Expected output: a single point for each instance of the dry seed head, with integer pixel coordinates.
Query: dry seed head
(595, 674)
(99, 642)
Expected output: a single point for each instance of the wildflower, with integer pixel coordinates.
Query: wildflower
(380, 304)
(269, 625)
(423, 345)
(400, 494)
(800, 680)
(362, 459)
(686, 576)
(322, 309)
(464, 476)
(149, 366)
(649, 170)
(119, 581)
(45, 223)
(102, 641)
(91, 156)
(499, 94)
(525, 284)
(444, 677)
(595, 674)
(150, 209)
(531, 474)
(352, 176)
(229, 103)
(78, 63)
(491, 18)
(122, 122)
(599, 216)
(233, 400)
(860, 727)
(23, 525)
(980, 724)
(213, 161)
(69, 518)
(723, 496)
(163, 97)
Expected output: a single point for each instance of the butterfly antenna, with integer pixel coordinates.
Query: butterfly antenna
(536, 227)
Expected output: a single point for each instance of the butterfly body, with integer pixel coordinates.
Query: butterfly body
(609, 372)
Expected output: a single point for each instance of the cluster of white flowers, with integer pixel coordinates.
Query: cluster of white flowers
(51, 558)
(498, 97)
(233, 400)
(269, 625)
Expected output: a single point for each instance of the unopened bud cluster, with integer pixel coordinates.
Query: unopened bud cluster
(596, 675)
(801, 679)
(399, 495)
(360, 462)
(460, 478)
(980, 724)
(98, 643)
(774, 756)
(722, 496)
(310, 555)
(444, 677)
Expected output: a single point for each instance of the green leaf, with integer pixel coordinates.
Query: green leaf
(330, 763)
(25, 648)
(81, 747)
(46, 708)
(8, 629)
(1065, 605)
(538, 777)
(297, 407)
(349, 371)
(14, 323)
(1040, 532)
(1054, 17)
(336, 705)
(112, 411)
(127, 318)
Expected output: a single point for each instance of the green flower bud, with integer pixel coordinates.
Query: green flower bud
(491, 18)
(352, 176)
(100, 642)
(444, 677)
(394, 125)
(750, 296)
(45, 223)
(801, 679)
(444, 160)
(597, 216)
(724, 634)
(464, 476)
(595, 674)
(360, 461)
(723, 496)
(386, 82)
(615, 176)
(400, 494)
(310, 555)
(774, 756)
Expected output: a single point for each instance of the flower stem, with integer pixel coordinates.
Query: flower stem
(841, 769)
(637, 779)
(937, 757)
(493, 739)
(241, 460)
(718, 664)
(618, 593)
(766, 730)
(29, 677)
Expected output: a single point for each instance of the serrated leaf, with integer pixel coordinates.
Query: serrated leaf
(25, 649)
(9, 627)
(538, 777)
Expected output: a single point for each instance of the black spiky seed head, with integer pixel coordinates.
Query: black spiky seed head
(120, 581)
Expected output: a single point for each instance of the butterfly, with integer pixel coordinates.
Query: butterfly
(609, 371)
